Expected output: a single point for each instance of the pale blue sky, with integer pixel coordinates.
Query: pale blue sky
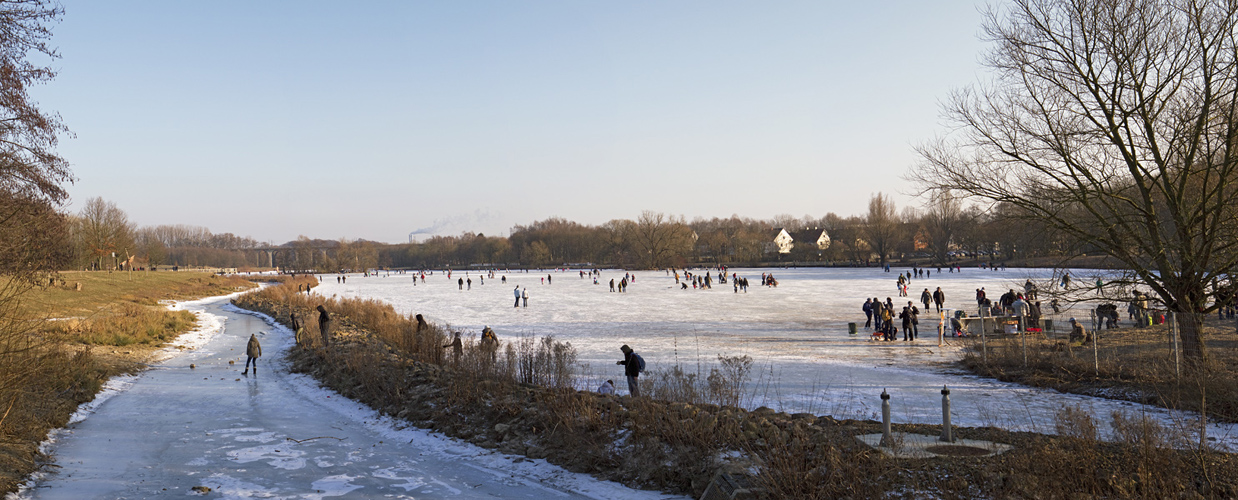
(373, 119)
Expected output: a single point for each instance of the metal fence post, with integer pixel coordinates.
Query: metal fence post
(886, 438)
(947, 430)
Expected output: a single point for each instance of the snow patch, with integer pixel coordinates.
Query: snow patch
(332, 486)
(394, 474)
(278, 456)
(230, 488)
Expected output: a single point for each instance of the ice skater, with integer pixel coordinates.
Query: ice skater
(253, 351)
(517, 293)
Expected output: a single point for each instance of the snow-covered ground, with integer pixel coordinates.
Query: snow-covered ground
(797, 334)
(270, 435)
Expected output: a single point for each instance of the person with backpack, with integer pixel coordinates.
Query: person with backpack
(633, 366)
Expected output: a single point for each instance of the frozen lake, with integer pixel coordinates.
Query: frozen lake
(796, 333)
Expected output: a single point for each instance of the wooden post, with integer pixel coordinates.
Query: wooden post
(1023, 334)
(984, 348)
(1173, 332)
(1096, 352)
(941, 325)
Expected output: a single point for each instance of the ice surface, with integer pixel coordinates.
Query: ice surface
(796, 332)
(160, 434)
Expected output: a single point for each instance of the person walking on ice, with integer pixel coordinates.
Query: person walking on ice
(524, 294)
(633, 366)
(253, 351)
(517, 293)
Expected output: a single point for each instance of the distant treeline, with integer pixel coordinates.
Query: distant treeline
(941, 231)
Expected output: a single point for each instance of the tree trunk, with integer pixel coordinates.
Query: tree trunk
(1190, 329)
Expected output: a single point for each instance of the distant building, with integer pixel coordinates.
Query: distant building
(815, 238)
(779, 241)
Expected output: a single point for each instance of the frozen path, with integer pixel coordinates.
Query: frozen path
(174, 428)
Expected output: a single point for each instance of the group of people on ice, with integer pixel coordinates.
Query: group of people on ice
(883, 315)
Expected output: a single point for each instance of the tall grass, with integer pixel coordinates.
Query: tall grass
(545, 362)
(1136, 364)
(124, 324)
(40, 384)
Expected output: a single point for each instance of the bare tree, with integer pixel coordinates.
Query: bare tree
(29, 165)
(657, 239)
(103, 231)
(881, 226)
(1113, 122)
(942, 216)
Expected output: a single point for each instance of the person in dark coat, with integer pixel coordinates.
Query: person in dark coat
(253, 351)
(324, 325)
(457, 348)
(915, 320)
(939, 298)
(868, 312)
(905, 315)
(631, 362)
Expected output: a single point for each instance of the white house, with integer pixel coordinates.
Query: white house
(780, 241)
(813, 237)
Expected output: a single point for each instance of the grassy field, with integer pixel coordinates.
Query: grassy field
(99, 290)
(120, 309)
(59, 343)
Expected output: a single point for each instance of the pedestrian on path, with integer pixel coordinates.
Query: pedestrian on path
(253, 351)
